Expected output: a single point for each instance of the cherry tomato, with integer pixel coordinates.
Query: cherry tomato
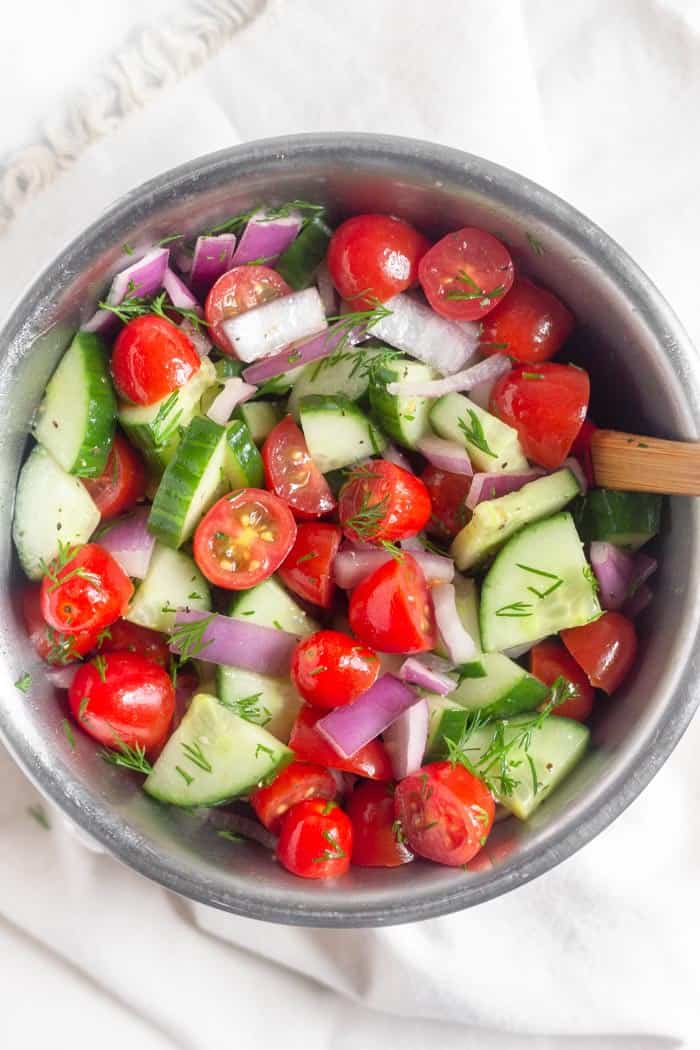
(151, 358)
(123, 636)
(445, 811)
(244, 538)
(605, 649)
(308, 568)
(292, 474)
(548, 661)
(581, 449)
(382, 502)
(448, 493)
(296, 783)
(88, 593)
(373, 257)
(377, 841)
(122, 483)
(371, 761)
(546, 405)
(529, 324)
(391, 609)
(466, 274)
(239, 290)
(330, 669)
(123, 697)
(316, 840)
(51, 645)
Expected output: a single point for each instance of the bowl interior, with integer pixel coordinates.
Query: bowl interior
(640, 364)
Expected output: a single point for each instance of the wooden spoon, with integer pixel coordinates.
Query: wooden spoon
(630, 463)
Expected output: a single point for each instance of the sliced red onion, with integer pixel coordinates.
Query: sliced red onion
(225, 640)
(458, 642)
(141, 279)
(481, 393)
(212, 258)
(265, 329)
(446, 455)
(485, 371)
(436, 568)
(392, 455)
(415, 671)
(350, 727)
(265, 238)
(62, 677)
(130, 543)
(303, 353)
(412, 544)
(577, 470)
(619, 573)
(414, 328)
(196, 336)
(180, 295)
(344, 782)
(235, 392)
(491, 486)
(405, 739)
(638, 602)
(182, 257)
(351, 567)
(326, 289)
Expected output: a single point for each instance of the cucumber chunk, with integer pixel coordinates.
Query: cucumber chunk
(243, 463)
(345, 373)
(539, 584)
(77, 416)
(269, 605)
(467, 603)
(495, 520)
(627, 519)
(51, 508)
(299, 263)
(495, 446)
(269, 702)
(446, 720)
(404, 418)
(173, 581)
(337, 431)
(503, 689)
(260, 417)
(214, 756)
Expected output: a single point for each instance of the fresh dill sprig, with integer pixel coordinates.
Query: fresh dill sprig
(189, 637)
(138, 306)
(38, 814)
(474, 433)
(334, 851)
(474, 292)
(165, 423)
(68, 733)
(249, 708)
(127, 757)
(196, 755)
(24, 682)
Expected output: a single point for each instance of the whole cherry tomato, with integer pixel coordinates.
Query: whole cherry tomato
(606, 649)
(448, 493)
(315, 840)
(330, 669)
(374, 257)
(550, 660)
(529, 324)
(121, 484)
(87, 593)
(381, 502)
(371, 761)
(151, 358)
(466, 274)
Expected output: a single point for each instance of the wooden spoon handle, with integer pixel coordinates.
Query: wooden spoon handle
(630, 463)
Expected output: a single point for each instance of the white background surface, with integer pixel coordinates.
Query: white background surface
(597, 100)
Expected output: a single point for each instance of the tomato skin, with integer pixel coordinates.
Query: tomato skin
(292, 474)
(581, 449)
(124, 636)
(446, 813)
(151, 358)
(374, 842)
(374, 254)
(371, 761)
(315, 840)
(250, 528)
(52, 646)
(530, 320)
(547, 412)
(331, 669)
(308, 568)
(121, 484)
(606, 649)
(391, 610)
(487, 268)
(296, 783)
(132, 698)
(549, 660)
(448, 493)
(88, 593)
(236, 291)
(403, 499)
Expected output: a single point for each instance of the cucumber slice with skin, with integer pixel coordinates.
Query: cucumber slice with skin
(346, 373)
(503, 689)
(243, 463)
(538, 585)
(260, 417)
(337, 431)
(214, 756)
(627, 519)
(495, 520)
(173, 581)
(77, 416)
(299, 263)
(404, 418)
(498, 449)
(51, 508)
(446, 719)
(269, 605)
(269, 702)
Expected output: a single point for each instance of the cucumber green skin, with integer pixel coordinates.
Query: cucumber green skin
(244, 465)
(405, 419)
(627, 519)
(298, 264)
(228, 368)
(525, 695)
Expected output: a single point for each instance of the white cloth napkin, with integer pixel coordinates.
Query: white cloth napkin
(598, 101)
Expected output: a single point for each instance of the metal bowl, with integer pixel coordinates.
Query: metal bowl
(644, 379)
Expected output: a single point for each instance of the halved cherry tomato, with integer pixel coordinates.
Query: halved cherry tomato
(122, 483)
(124, 636)
(381, 502)
(123, 697)
(448, 493)
(581, 449)
(244, 538)
(296, 783)
(548, 661)
(377, 841)
(605, 649)
(529, 324)
(316, 840)
(51, 645)
(151, 358)
(236, 291)
(373, 257)
(330, 668)
(308, 568)
(292, 474)
(546, 405)
(466, 274)
(371, 761)
(391, 609)
(445, 811)
(89, 592)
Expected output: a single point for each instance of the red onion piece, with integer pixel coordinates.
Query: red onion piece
(392, 455)
(349, 728)
(265, 238)
(235, 392)
(412, 544)
(619, 573)
(196, 336)
(415, 671)
(446, 455)
(485, 371)
(436, 568)
(62, 677)
(180, 295)
(459, 644)
(225, 640)
(414, 328)
(344, 782)
(405, 740)
(130, 543)
(481, 393)
(638, 601)
(491, 486)
(266, 329)
(212, 258)
(140, 279)
(326, 289)
(351, 567)
(303, 353)
(577, 470)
